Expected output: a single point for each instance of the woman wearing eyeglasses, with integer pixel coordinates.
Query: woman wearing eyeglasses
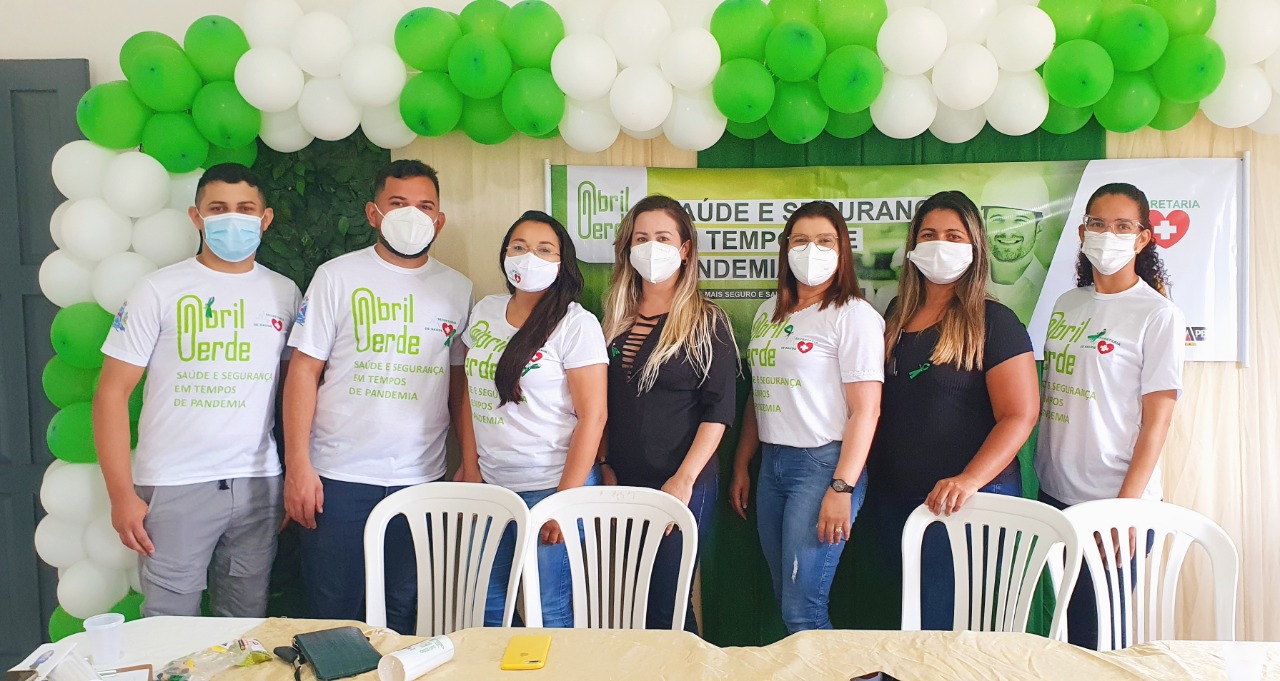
(672, 370)
(1112, 373)
(536, 372)
(960, 394)
(817, 363)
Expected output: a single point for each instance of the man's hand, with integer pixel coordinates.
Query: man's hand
(127, 518)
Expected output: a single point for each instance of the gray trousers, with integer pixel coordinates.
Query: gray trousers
(219, 534)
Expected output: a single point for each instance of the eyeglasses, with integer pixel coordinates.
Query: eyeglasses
(823, 240)
(544, 252)
(1121, 226)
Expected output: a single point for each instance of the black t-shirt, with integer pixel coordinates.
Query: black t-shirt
(934, 418)
(650, 433)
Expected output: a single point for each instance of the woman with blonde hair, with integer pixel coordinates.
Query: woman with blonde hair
(672, 369)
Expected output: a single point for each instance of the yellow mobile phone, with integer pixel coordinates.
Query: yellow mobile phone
(526, 652)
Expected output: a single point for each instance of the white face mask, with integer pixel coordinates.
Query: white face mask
(812, 264)
(941, 262)
(407, 230)
(528, 272)
(656, 262)
(1108, 252)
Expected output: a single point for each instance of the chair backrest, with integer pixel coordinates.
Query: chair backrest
(999, 547)
(612, 535)
(1142, 608)
(456, 528)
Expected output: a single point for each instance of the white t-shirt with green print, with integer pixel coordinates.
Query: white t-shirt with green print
(389, 337)
(523, 446)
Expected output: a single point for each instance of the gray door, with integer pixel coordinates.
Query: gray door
(37, 116)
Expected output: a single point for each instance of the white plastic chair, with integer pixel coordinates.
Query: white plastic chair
(611, 556)
(999, 547)
(456, 528)
(1149, 590)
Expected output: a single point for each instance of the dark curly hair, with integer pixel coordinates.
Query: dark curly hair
(1147, 263)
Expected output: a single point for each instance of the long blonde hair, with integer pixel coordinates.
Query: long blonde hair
(963, 327)
(694, 321)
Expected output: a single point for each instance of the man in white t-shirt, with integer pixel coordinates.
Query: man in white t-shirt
(380, 326)
(202, 502)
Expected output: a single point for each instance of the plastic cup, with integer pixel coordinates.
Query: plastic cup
(106, 638)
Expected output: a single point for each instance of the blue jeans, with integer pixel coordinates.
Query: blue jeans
(793, 482)
(333, 558)
(553, 571)
(666, 564)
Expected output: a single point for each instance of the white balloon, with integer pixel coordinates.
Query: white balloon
(102, 544)
(589, 126)
(1269, 123)
(325, 110)
(895, 5)
(690, 58)
(690, 13)
(1272, 68)
(166, 237)
(65, 279)
(283, 131)
(269, 23)
(1021, 38)
(93, 231)
(374, 21)
(1019, 104)
(636, 29)
(60, 542)
(955, 126)
(905, 106)
(584, 17)
(78, 169)
(384, 126)
(967, 21)
(55, 223)
(87, 589)
(373, 75)
(583, 66)
(965, 76)
(116, 276)
(268, 78)
(1247, 30)
(643, 134)
(1242, 98)
(182, 189)
(640, 98)
(695, 123)
(134, 575)
(911, 40)
(75, 492)
(135, 184)
(320, 42)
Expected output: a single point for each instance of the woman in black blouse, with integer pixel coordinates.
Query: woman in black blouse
(960, 394)
(672, 369)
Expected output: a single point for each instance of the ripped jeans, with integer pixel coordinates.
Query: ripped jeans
(793, 482)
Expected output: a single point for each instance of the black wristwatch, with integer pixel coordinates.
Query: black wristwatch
(841, 486)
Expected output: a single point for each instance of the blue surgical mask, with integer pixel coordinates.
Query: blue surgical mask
(233, 236)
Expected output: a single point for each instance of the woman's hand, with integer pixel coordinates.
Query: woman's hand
(950, 494)
(680, 488)
(607, 476)
(740, 490)
(833, 517)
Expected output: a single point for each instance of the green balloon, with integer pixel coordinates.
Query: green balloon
(794, 10)
(533, 102)
(1073, 19)
(63, 624)
(173, 140)
(1064, 120)
(214, 44)
(1135, 37)
(1078, 73)
(66, 384)
(1112, 6)
(135, 400)
(847, 126)
(424, 37)
(851, 78)
(1131, 104)
(795, 51)
(223, 117)
(484, 121)
(798, 114)
(743, 90)
(430, 104)
(741, 27)
(245, 156)
(483, 16)
(130, 606)
(554, 133)
(78, 332)
(531, 31)
(112, 116)
(748, 131)
(164, 79)
(141, 41)
(851, 22)
(1173, 115)
(1185, 17)
(479, 65)
(1190, 69)
(70, 434)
